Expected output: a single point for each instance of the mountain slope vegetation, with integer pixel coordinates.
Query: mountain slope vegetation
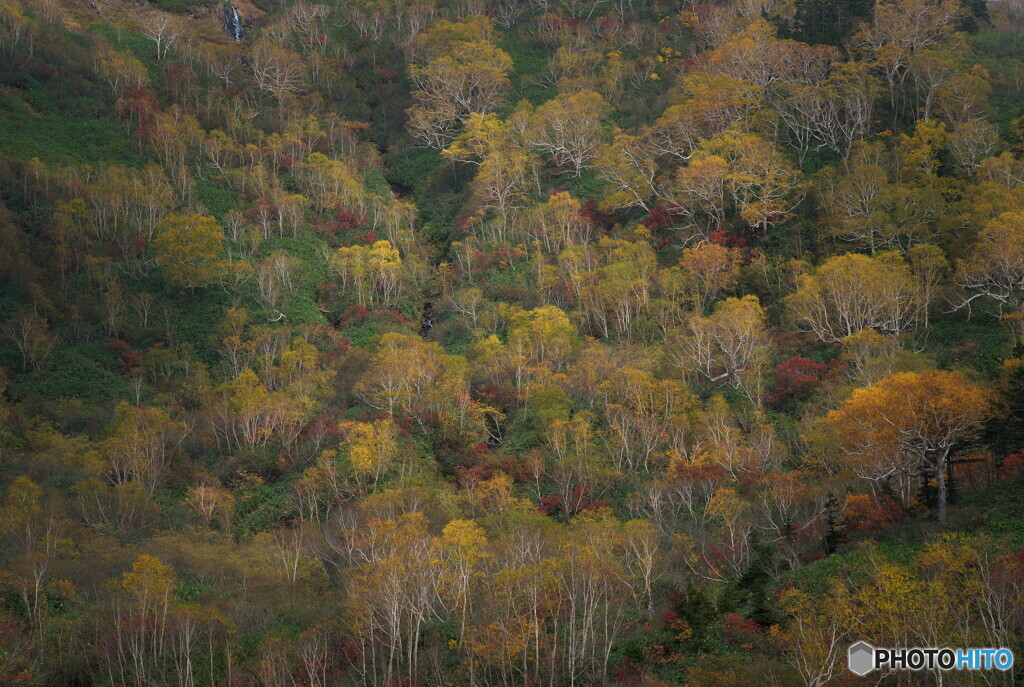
(494, 342)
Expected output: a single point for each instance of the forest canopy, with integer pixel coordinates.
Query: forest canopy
(508, 342)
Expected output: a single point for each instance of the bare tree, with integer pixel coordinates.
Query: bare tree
(164, 31)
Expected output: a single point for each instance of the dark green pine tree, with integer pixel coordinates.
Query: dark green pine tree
(826, 21)
(1004, 432)
(833, 524)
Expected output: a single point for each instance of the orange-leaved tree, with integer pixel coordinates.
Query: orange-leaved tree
(910, 423)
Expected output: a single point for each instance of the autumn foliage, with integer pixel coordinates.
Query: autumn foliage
(508, 342)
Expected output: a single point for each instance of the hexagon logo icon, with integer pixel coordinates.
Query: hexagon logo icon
(861, 658)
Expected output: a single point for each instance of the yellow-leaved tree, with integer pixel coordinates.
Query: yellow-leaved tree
(463, 549)
(995, 268)
(188, 249)
(852, 292)
(371, 448)
(141, 444)
(764, 186)
(568, 129)
(457, 71)
(372, 272)
(730, 345)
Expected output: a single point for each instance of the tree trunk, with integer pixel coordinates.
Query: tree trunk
(940, 484)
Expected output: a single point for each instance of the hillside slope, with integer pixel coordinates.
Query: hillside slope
(480, 342)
